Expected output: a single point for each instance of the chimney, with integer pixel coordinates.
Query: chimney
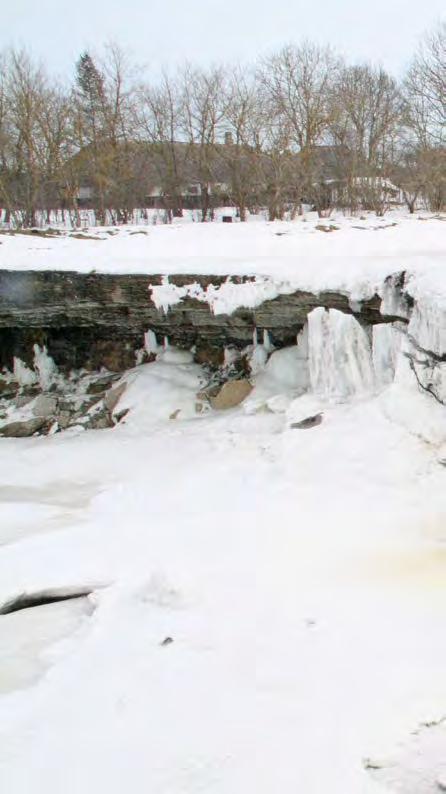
(228, 139)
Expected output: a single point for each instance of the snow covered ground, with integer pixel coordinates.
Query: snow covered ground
(299, 573)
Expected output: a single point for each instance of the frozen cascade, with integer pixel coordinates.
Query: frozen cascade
(386, 345)
(150, 343)
(45, 367)
(340, 359)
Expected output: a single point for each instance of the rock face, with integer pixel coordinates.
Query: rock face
(98, 320)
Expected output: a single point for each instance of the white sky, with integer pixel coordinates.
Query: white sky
(167, 31)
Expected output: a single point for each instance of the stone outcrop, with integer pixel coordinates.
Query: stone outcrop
(231, 394)
(98, 320)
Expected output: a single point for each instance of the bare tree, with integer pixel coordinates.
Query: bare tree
(159, 125)
(425, 87)
(204, 102)
(365, 122)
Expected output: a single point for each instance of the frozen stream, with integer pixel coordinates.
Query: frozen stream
(269, 602)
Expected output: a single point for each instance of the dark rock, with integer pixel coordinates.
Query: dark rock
(24, 429)
(166, 641)
(101, 384)
(118, 417)
(8, 390)
(42, 598)
(305, 424)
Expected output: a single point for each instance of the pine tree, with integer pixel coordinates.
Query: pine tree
(90, 94)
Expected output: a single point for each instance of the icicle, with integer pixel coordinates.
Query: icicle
(254, 337)
(267, 344)
(150, 343)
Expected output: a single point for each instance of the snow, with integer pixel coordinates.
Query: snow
(292, 570)
(355, 257)
(300, 574)
(23, 374)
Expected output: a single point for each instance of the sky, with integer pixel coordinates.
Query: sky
(166, 32)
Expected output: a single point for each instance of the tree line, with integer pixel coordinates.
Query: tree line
(299, 125)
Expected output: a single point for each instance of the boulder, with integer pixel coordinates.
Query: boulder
(23, 429)
(45, 405)
(113, 396)
(231, 394)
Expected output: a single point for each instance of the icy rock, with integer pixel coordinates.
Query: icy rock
(428, 326)
(340, 358)
(394, 302)
(302, 407)
(23, 429)
(231, 394)
(279, 403)
(45, 406)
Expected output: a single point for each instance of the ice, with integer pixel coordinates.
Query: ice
(386, 344)
(150, 343)
(23, 374)
(45, 366)
(26, 635)
(339, 355)
(258, 359)
(393, 302)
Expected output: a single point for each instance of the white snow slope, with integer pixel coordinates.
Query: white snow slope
(299, 573)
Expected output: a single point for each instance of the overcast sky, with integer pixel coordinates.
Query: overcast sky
(167, 31)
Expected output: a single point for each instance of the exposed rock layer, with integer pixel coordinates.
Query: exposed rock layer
(94, 320)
